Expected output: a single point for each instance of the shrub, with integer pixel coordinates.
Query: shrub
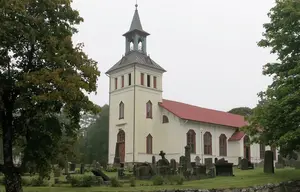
(25, 182)
(132, 182)
(82, 181)
(97, 181)
(38, 182)
(115, 182)
(158, 180)
(178, 179)
(57, 172)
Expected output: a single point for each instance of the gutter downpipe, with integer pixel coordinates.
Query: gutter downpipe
(109, 114)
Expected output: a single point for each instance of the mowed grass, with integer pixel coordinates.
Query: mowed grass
(241, 179)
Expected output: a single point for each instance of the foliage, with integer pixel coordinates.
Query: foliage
(82, 181)
(96, 146)
(114, 182)
(244, 111)
(276, 119)
(42, 74)
(158, 180)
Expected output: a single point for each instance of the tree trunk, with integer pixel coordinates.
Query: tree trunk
(12, 176)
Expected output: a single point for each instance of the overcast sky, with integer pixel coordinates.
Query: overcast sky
(208, 47)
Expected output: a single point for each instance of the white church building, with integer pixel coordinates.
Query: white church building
(143, 123)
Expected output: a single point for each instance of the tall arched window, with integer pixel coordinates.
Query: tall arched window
(273, 149)
(149, 110)
(165, 119)
(262, 150)
(149, 144)
(247, 152)
(223, 145)
(191, 140)
(207, 143)
(121, 110)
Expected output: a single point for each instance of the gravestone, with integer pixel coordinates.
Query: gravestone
(81, 168)
(208, 163)
(211, 172)
(197, 160)
(216, 159)
(153, 165)
(99, 173)
(143, 171)
(269, 162)
(173, 166)
(297, 164)
(72, 167)
(117, 159)
(244, 164)
(239, 162)
(223, 168)
(187, 155)
(163, 167)
(181, 164)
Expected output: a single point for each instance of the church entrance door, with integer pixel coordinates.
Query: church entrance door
(121, 142)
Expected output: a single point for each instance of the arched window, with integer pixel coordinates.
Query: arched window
(149, 110)
(247, 152)
(149, 144)
(207, 143)
(191, 140)
(140, 45)
(131, 46)
(223, 145)
(273, 149)
(121, 110)
(165, 119)
(262, 150)
(121, 136)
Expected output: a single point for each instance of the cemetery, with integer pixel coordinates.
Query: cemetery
(167, 174)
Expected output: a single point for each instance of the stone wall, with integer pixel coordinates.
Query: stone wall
(290, 186)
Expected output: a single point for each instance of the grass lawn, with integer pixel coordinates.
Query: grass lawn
(241, 179)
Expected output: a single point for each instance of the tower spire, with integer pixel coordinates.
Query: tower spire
(136, 5)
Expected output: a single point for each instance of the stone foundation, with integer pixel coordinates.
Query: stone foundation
(290, 186)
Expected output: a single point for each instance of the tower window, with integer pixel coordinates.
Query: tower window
(116, 83)
(123, 81)
(154, 82)
(131, 46)
(149, 144)
(148, 81)
(140, 45)
(149, 110)
(142, 78)
(121, 110)
(165, 119)
(129, 79)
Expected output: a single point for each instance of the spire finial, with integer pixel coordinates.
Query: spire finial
(136, 4)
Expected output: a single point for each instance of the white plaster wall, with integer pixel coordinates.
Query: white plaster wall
(116, 96)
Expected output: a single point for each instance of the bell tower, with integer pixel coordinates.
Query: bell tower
(136, 37)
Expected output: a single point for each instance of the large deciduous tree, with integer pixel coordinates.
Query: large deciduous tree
(42, 74)
(276, 119)
(244, 111)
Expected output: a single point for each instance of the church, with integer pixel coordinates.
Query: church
(142, 123)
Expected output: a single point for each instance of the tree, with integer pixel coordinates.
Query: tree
(97, 138)
(244, 111)
(42, 74)
(276, 119)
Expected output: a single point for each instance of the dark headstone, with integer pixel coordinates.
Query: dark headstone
(117, 159)
(211, 172)
(224, 169)
(181, 167)
(72, 167)
(208, 162)
(187, 155)
(143, 171)
(216, 159)
(163, 165)
(173, 166)
(81, 168)
(239, 162)
(269, 162)
(244, 164)
(153, 160)
(297, 164)
(99, 173)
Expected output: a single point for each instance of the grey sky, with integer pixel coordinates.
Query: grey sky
(208, 47)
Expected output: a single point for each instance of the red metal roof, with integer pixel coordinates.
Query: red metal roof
(194, 113)
(237, 136)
